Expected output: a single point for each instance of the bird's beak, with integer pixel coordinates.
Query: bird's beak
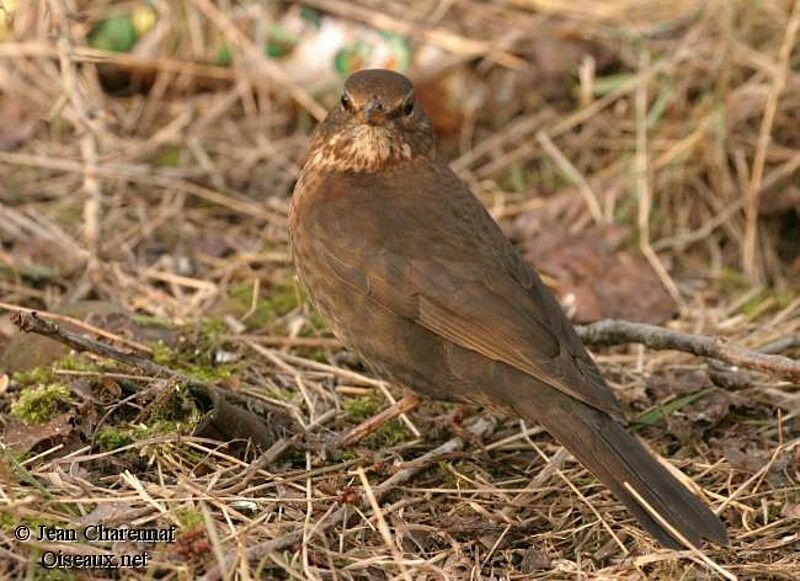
(374, 113)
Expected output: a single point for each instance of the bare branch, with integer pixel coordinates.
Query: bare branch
(615, 332)
(31, 322)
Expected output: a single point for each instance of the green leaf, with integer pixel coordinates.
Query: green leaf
(116, 34)
(351, 58)
(401, 51)
(659, 413)
(280, 42)
(223, 58)
(604, 85)
(313, 17)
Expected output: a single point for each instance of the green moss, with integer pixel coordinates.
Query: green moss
(195, 354)
(189, 518)
(732, 281)
(37, 272)
(318, 354)
(349, 455)
(757, 306)
(360, 408)
(174, 411)
(448, 477)
(168, 427)
(7, 522)
(168, 157)
(37, 376)
(150, 322)
(317, 321)
(74, 362)
(213, 329)
(311, 16)
(58, 126)
(390, 434)
(38, 405)
(304, 122)
(162, 354)
(276, 302)
(7, 273)
(314, 317)
(285, 394)
(317, 324)
(515, 179)
(112, 437)
(69, 216)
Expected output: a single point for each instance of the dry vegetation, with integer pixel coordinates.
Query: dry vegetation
(645, 155)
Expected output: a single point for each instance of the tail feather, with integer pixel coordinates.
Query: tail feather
(614, 456)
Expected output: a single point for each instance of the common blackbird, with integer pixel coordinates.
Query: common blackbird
(414, 276)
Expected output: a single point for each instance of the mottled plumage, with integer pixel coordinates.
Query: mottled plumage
(414, 275)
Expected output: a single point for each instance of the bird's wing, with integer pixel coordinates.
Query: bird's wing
(432, 254)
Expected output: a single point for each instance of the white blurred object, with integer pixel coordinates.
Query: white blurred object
(329, 49)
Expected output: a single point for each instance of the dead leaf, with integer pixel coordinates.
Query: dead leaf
(730, 379)
(692, 404)
(701, 416)
(24, 438)
(229, 420)
(457, 567)
(791, 511)
(534, 560)
(744, 455)
(19, 124)
(677, 383)
(448, 99)
(589, 269)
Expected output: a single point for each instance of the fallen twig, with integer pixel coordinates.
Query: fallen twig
(231, 416)
(31, 322)
(65, 320)
(409, 402)
(616, 332)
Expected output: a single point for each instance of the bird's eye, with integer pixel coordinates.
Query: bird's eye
(347, 104)
(408, 108)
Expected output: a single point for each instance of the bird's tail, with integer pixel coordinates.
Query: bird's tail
(615, 457)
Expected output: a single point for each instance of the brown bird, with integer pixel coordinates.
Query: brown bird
(414, 275)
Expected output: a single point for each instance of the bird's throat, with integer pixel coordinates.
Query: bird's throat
(361, 149)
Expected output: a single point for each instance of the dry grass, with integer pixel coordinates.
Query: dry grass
(677, 119)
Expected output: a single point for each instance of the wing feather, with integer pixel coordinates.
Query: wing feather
(438, 259)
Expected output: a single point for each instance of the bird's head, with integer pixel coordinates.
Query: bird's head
(377, 124)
